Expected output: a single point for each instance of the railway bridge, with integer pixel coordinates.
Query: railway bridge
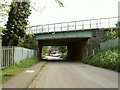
(81, 37)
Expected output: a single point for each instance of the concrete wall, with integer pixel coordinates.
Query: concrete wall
(78, 52)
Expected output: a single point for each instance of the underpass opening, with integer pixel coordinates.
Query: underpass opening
(76, 48)
(54, 53)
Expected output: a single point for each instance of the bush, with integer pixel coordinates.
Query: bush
(64, 55)
(26, 63)
(106, 59)
(111, 34)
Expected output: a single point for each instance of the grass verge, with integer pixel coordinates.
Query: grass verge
(106, 59)
(11, 71)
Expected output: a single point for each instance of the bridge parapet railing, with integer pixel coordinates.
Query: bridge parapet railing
(74, 25)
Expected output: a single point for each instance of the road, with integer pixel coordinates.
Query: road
(63, 74)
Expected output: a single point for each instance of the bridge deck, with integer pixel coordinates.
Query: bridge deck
(90, 24)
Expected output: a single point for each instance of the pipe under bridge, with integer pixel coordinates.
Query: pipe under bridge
(76, 35)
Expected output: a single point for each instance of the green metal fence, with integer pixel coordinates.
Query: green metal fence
(109, 43)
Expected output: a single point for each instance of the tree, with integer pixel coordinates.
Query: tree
(41, 9)
(60, 3)
(62, 49)
(3, 14)
(16, 24)
(28, 42)
(17, 21)
(4, 8)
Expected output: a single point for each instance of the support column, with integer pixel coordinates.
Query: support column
(39, 51)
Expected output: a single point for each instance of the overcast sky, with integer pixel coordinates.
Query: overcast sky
(73, 10)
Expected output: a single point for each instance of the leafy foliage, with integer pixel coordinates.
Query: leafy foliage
(111, 34)
(28, 42)
(62, 49)
(16, 24)
(4, 8)
(27, 63)
(60, 3)
(106, 59)
(118, 24)
(45, 50)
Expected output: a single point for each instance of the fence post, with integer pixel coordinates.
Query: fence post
(12, 62)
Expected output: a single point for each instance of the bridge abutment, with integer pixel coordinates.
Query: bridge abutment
(39, 51)
(78, 52)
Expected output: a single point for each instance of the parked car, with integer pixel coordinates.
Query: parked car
(56, 55)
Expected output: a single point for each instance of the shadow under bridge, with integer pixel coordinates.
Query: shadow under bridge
(76, 43)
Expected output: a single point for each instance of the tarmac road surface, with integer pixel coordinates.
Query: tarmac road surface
(63, 74)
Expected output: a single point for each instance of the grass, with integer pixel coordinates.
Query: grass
(11, 71)
(106, 59)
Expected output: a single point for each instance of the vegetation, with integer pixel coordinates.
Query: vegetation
(15, 34)
(10, 71)
(45, 50)
(16, 24)
(4, 8)
(60, 3)
(63, 50)
(28, 42)
(111, 34)
(106, 58)
(64, 55)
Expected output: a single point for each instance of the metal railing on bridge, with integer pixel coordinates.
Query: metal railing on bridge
(74, 25)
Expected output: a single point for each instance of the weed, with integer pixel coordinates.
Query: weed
(106, 59)
(11, 71)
